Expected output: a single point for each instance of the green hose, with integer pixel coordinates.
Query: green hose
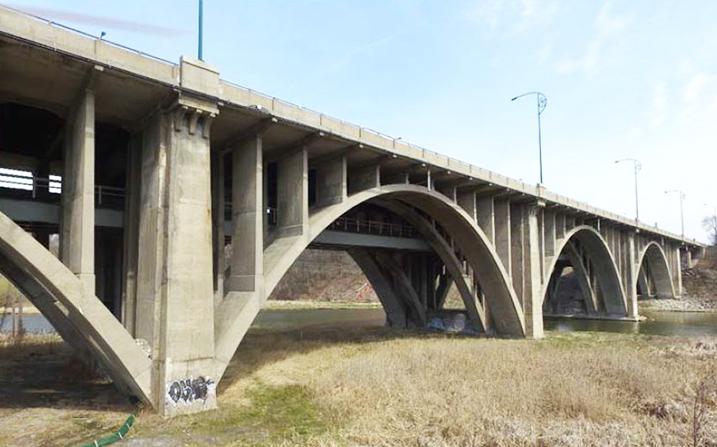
(114, 437)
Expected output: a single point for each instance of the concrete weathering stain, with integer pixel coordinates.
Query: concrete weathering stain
(166, 166)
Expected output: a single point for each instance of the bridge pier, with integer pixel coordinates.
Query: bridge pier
(174, 307)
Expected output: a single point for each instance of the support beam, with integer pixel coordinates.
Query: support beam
(501, 210)
(517, 248)
(363, 178)
(293, 195)
(485, 214)
(630, 283)
(218, 221)
(77, 240)
(131, 230)
(331, 182)
(467, 201)
(247, 262)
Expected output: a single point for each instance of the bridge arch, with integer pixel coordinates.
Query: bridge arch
(79, 317)
(586, 242)
(652, 263)
(505, 307)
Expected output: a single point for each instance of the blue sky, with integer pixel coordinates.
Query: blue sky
(623, 79)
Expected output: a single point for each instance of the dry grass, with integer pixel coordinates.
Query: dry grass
(376, 387)
(577, 389)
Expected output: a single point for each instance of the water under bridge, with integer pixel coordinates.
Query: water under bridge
(151, 172)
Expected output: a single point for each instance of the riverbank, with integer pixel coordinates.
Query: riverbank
(363, 384)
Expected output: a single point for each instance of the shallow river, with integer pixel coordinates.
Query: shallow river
(657, 323)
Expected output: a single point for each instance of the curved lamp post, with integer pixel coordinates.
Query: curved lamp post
(541, 102)
(637, 166)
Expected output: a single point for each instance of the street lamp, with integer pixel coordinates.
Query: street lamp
(201, 31)
(637, 166)
(682, 208)
(542, 102)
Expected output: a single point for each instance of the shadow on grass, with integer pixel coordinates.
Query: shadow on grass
(42, 371)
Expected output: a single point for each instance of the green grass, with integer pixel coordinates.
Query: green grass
(269, 416)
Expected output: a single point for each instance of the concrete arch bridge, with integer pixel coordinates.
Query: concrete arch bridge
(147, 170)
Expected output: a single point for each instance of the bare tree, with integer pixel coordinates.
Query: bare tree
(710, 225)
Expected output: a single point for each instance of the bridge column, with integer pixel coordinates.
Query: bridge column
(631, 276)
(175, 308)
(526, 260)
(247, 262)
(677, 268)
(331, 187)
(485, 214)
(501, 211)
(218, 213)
(293, 194)
(77, 240)
(130, 226)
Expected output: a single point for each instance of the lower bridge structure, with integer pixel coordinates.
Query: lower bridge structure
(180, 200)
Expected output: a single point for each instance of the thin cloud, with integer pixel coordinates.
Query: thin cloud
(103, 22)
(346, 59)
(607, 26)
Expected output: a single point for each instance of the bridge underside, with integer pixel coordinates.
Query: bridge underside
(178, 213)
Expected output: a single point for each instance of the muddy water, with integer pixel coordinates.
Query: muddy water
(688, 324)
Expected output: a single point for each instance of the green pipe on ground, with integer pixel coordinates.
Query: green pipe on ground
(118, 436)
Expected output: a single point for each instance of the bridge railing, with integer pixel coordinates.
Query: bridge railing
(352, 225)
(24, 185)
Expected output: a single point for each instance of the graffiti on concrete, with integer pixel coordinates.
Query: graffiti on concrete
(190, 390)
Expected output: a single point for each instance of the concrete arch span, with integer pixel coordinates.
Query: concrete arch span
(79, 317)
(585, 240)
(652, 262)
(236, 312)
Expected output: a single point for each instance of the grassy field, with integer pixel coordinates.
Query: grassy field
(373, 386)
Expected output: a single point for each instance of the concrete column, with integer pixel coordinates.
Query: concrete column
(293, 194)
(247, 263)
(677, 268)
(218, 218)
(501, 210)
(175, 306)
(77, 239)
(331, 182)
(131, 229)
(517, 248)
(486, 217)
(363, 178)
(631, 277)
(467, 201)
(532, 283)
(549, 225)
(559, 226)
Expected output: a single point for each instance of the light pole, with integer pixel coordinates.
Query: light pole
(541, 102)
(201, 31)
(637, 166)
(682, 208)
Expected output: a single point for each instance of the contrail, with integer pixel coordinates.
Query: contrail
(105, 22)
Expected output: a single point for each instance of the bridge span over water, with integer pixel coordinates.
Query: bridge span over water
(181, 199)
